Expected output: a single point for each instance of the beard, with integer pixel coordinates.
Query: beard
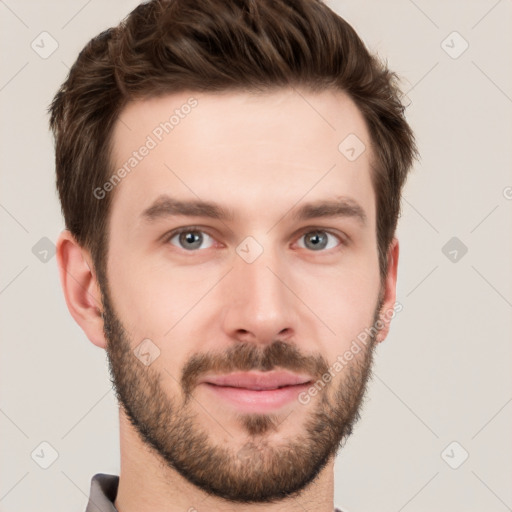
(257, 471)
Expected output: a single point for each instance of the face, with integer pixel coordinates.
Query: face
(241, 240)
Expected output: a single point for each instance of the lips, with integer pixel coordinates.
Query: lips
(258, 381)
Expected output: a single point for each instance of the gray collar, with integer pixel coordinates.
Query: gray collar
(103, 493)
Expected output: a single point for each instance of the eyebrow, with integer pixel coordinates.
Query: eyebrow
(166, 206)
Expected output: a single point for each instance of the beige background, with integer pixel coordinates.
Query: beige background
(444, 373)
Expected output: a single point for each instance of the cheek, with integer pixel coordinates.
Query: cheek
(343, 299)
(157, 306)
(152, 299)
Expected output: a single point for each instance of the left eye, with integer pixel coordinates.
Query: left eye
(318, 240)
(191, 239)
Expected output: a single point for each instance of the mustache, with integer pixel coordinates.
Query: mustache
(247, 357)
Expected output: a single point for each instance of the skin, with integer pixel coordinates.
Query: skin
(296, 306)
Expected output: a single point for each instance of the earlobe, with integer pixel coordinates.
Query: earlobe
(389, 291)
(80, 287)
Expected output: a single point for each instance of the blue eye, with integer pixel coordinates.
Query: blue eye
(191, 239)
(318, 240)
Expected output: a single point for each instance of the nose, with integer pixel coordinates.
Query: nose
(260, 307)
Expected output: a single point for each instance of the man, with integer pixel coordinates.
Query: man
(230, 177)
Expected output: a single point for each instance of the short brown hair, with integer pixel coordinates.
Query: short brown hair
(170, 46)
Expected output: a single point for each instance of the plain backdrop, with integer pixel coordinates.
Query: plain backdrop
(435, 429)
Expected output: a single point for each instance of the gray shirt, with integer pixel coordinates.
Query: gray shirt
(104, 491)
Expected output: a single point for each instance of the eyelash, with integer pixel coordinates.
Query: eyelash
(310, 229)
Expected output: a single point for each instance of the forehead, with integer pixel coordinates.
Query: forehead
(243, 150)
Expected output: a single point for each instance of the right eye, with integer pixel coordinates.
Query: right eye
(189, 238)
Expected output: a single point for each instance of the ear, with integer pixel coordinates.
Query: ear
(80, 287)
(389, 290)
